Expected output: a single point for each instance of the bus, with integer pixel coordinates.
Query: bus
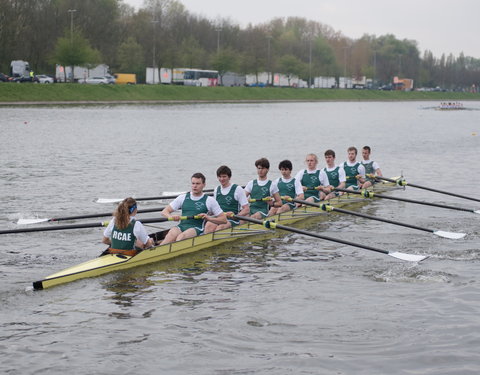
(194, 77)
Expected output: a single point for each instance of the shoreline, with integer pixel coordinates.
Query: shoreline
(186, 102)
(75, 94)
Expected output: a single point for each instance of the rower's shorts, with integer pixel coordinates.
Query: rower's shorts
(263, 212)
(233, 222)
(354, 187)
(184, 227)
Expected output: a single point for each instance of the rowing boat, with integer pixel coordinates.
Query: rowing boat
(451, 107)
(115, 262)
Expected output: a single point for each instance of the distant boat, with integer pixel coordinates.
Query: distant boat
(450, 106)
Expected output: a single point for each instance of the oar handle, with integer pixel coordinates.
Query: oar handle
(317, 188)
(266, 199)
(171, 218)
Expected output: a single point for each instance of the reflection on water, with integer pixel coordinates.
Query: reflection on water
(274, 304)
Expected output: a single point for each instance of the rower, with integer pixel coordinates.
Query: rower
(288, 186)
(193, 203)
(314, 181)
(335, 173)
(124, 234)
(371, 167)
(354, 171)
(231, 198)
(263, 191)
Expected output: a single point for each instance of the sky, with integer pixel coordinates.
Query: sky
(441, 26)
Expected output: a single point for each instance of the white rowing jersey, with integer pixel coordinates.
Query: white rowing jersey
(212, 205)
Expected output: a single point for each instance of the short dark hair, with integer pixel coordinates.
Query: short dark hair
(285, 164)
(263, 162)
(330, 152)
(351, 148)
(367, 148)
(223, 169)
(199, 175)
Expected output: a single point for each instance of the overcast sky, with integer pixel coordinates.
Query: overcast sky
(438, 25)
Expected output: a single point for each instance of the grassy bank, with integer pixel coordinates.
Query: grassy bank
(12, 93)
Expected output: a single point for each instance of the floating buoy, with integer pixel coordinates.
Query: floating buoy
(474, 133)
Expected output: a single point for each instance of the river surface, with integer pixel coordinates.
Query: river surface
(289, 304)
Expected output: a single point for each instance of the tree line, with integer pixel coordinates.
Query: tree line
(163, 33)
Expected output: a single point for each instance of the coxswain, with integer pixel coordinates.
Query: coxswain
(124, 234)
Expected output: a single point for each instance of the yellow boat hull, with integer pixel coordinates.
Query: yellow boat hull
(116, 262)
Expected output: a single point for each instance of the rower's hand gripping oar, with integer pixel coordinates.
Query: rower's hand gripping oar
(88, 216)
(370, 194)
(328, 208)
(273, 225)
(402, 182)
(90, 225)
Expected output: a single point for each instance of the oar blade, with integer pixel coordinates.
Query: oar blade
(408, 257)
(477, 212)
(108, 200)
(31, 221)
(450, 235)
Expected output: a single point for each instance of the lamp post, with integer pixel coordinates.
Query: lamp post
(310, 63)
(154, 62)
(218, 29)
(308, 36)
(345, 64)
(71, 11)
(374, 67)
(269, 38)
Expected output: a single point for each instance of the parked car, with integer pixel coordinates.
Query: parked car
(97, 81)
(4, 78)
(22, 79)
(386, 88)
(42, 78)
(111, 79)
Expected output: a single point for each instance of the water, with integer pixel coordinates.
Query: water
(287, 305)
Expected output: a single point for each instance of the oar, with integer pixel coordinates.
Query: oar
(402, 182)
(89, 225)
(396, 254)
(173, 196)
(266, 199)
(89, 216)
(326, 207)
(370, 194)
